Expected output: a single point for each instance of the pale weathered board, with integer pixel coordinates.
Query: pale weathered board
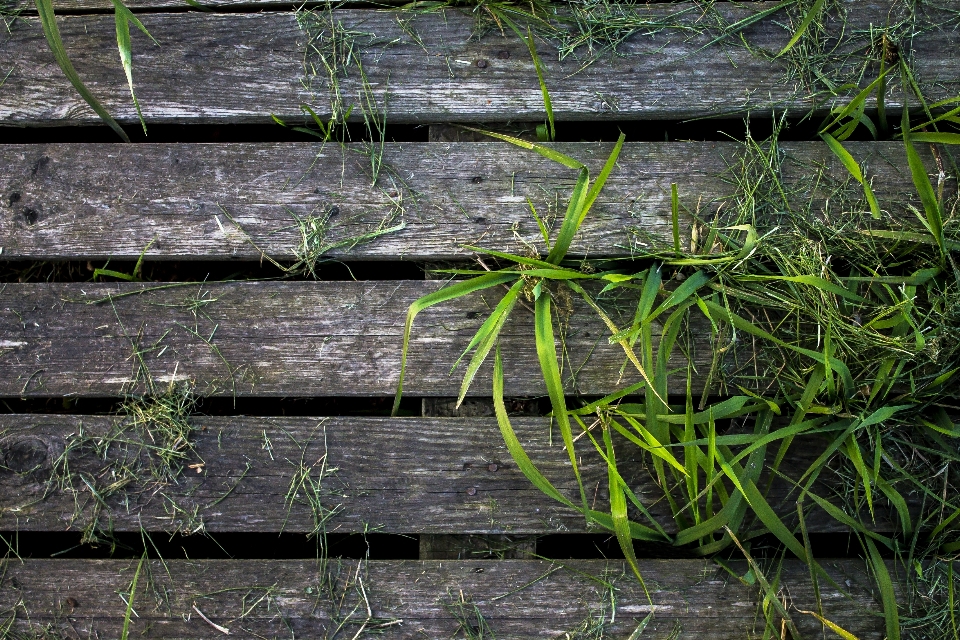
(393, 475)
(282, 339)
(516, 598)
(244, 67)
(83, 6)
(70, 201)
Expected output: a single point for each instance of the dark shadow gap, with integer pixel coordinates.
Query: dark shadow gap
(701, 130)
(206, 271)
(569, 546)
(345, 406)
(374, 546)
(183, 133)
(215, 546)
(225, 406)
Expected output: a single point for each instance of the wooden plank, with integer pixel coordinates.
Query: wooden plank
(399, 475)
(516, 598)
(81, 6)
(296, 339)
(245, 67)
(79, 201)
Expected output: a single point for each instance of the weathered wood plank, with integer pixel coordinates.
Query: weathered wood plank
(244, 67)
(71, 201)
(276, 339)
(395, 475)
(65, 6)
(516, 598)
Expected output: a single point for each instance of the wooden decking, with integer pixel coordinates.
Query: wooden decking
(64, 343)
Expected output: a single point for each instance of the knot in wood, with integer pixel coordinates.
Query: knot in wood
(25, 455)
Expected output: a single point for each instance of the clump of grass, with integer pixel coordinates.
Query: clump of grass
(839, 334)
(470, 620)
(315, 244)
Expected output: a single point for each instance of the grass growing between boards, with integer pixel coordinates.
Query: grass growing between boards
(829, 326)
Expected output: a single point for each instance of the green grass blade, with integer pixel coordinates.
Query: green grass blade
(852, 449)
(771, 594)
(452, 292)
(842, 517)
(601, 180)
(489, 336)
(855, 105)
(571, 220)
(814, 10)
(887, 596)
(48, 21)
(547, 105)
(675, 216)
(740, 25)
(934, 215)
(546, 152)
(721, 313)
(614, 330)
(125, 632)
(618, 511)
(123, 17)
(516, 449)
(837, 629)
(936, 138)
(854, 168)
(549, 366)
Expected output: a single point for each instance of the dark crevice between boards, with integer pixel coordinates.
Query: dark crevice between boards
(373, 546)
(256, 7)
(569, 546)
(224, 406)
(343, 406)
(207, 271)
(183, 133)
(213, 546)
(732, 127)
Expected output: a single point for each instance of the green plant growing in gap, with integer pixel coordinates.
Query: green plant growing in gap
(853, 335)
(314, 243)
(123, 18)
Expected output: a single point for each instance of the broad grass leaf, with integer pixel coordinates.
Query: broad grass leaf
(445, 294)
(48, 22)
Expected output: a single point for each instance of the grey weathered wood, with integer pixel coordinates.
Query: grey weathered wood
(81, 6)
(466, 547)
(71, 201)
(266, 599)
(244, 67)
(397, 475)
(277, 339)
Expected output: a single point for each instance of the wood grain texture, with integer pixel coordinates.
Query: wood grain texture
(278, 339)
(91, 201)
(283, 599)
(245, 67)
(80, 6)
(395, 475)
